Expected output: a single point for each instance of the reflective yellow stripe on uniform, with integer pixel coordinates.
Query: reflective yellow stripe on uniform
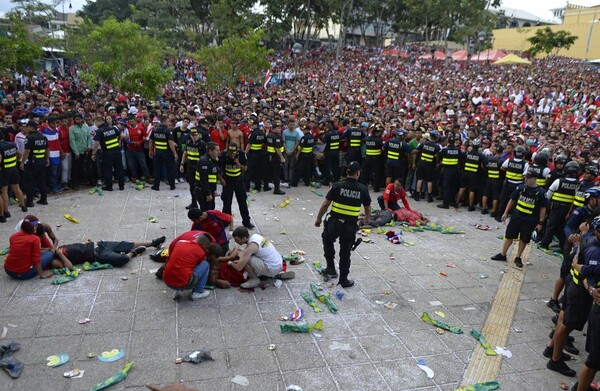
(355, 143)
(10, 162)
(560, 197)
(39, 153)
(575, 275)
(162, 145)
(255, 147)
(347, 210)
(578, 200)
(514, 176)
(334, 145)
(471, 167)
(493, 174)
(197, 175)
(112, 143)
(193, 156)
(541, 182)
(373, 152)
(232, 172)
(393, 155)
(270, 149)
(446, 161)
(426, 157)
(212, 178)
(525, 207)
(306, 150)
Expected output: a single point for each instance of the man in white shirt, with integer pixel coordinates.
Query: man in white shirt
(259, 258)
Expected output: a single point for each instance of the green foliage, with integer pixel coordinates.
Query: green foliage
(19, 50)
(235, 57)
(100, 10)
(34, 11)
(233, 18)
(547, 41)
(119, 53)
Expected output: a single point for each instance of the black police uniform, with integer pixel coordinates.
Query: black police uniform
(35, 168)
(428, 152)
(396, 150)
(331, 170)
(304, 165)
(493, 184)
(525, 215)
(469, 178)
(234, 184)
(163, 156)
(206, 176)
(346, 199)
(560, 205)
(256, 159)
(592, 343)
(355, 138)
(109, 138)
(449, 157)
(274, 143)
(193, 151)
(579, 198)
(9, 173)
(514, 178)
(373, 168)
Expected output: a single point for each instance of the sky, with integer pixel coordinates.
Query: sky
(536, 7)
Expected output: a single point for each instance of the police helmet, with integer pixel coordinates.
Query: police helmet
(596, 223)
(592, 192)
(500, 149)
(476, 142)
(591, 169)
(401, 132)
(541, 158)
(434, 133)
(519, 151)
(560, 159)
(572, 167)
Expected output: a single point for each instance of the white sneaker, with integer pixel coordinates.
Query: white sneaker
(199, 296)
(177, 294)
(251, 283)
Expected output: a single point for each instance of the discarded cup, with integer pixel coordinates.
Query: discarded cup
(278, 284)
(272, 347)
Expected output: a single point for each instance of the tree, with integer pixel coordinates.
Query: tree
(234, 58)
(118, 53)
(233, 18)
(547, 41)
(34, 11)
(100, 10)
(19, 49)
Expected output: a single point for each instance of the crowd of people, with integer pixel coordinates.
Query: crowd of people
(518, 140)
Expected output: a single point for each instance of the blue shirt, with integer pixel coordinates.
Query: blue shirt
(290, 138)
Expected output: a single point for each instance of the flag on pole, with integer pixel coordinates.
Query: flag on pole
(418, 65)
(267, 78)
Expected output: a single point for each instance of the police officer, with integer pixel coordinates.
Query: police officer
(355, 138)
(163, 149)
(275, 152)
(108, 139)
(256, 155)
(9, 175)
(515, 168)
(561, 194)
(233, 165)
(559, 166)
(193, 148)
(35, 160)
(304, 157)
(331, 169)
(345, 198)
(493, 184)
(373, 168)
(579, 216)
(428, 152)
(528, 205)
(590, 172)
(469, 179)
(206, 176)
(539, 165)
(448, 157)
(396, 149)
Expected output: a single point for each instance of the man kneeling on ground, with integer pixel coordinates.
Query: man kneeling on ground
(188, 267)
(259, 258)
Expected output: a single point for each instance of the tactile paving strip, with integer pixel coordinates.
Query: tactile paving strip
(498, 324)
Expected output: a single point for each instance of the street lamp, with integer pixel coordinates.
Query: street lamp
(296, 49)
(587, 46)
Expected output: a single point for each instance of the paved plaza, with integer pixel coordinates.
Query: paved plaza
(132, 310)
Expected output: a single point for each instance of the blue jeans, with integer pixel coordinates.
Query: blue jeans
(393, 206)
(45, 260)
(137, 162)
(54, 174)
(201, 272)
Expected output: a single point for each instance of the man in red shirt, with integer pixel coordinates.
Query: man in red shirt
(392, 193)
(187, 267)
(215, 223)
(136, 158)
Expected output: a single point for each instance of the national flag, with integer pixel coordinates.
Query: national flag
(267, 78)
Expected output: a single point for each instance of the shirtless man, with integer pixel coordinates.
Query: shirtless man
(235, 135)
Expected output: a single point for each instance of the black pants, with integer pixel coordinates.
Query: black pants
(556, 224)
(164, 158)
(255, 167)
(344, 230)
(35, 179)
(507, 189)
(303, 169)
(235, 186)
(354, 155)
(111, 159)
(372, 172)
(275, 170)
(190, 176)
(332, 167)
(77, 170)
(202, 202)
(449, 184)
